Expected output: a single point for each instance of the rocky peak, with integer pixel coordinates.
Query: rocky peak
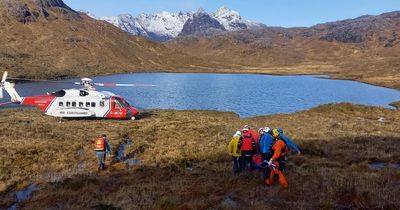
(200, 10)
(52, 3)
(225, 12)
(201, 22)
(230, 19)
(32, 10)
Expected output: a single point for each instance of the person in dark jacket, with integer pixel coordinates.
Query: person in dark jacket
(101, 147)
(247, 146)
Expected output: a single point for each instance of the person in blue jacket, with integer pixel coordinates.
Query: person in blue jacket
(265, 145)
(291, 145)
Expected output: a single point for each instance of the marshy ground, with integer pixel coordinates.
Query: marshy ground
(184, 163)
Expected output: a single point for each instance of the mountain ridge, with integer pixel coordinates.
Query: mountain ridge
(43, 40)
(366, 49)
(164, 26)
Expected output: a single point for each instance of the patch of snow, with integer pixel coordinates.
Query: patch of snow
(127, 23)
(232, 21)
(89, 14)
(164, 23)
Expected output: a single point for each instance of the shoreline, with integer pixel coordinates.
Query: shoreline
(330, 71)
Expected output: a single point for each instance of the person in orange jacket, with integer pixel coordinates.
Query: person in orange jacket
(277, 161)
(102, 147)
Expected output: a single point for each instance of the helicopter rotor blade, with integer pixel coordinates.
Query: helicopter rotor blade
(40, 80)
(123, 85)
(4, 77)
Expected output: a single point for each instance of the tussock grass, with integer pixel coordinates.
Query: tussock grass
(185, 164)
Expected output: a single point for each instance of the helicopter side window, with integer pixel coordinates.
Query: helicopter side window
(93, 104)
(87, 104)
(60, 104)
(101, 103)
(80, 104)
(67, 104)
(74, 104)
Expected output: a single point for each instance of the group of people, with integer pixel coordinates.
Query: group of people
(265, 150)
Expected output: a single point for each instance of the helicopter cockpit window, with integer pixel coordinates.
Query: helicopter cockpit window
(60, 93)
(121, 103)
(83, 93)
(60, 104)
(101, 104)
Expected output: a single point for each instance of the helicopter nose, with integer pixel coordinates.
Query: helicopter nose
(132, 112)
(135, 112)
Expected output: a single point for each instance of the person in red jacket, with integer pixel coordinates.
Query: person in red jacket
(277, 161)
(255, 135)
(248, 147)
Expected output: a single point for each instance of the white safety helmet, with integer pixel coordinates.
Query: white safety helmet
(238, 133)
(247, 127)
(267, 130)
(261, 130)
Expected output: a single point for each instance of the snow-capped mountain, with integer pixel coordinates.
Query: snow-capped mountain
(164, 26)
(200, 23)
(127, 23)
(232, 21)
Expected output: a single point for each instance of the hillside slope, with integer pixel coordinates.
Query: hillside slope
(47, 39)
(184, 163)
(366, 49)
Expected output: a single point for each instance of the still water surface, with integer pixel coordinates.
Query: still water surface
(246, 94)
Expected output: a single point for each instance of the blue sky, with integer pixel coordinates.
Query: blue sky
(285, 13)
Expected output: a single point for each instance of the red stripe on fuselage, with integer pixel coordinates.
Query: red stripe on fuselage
(43, 102)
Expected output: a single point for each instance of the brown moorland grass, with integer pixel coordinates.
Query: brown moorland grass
(185, 165)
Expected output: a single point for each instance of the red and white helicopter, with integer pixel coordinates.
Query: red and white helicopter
(77, 103)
